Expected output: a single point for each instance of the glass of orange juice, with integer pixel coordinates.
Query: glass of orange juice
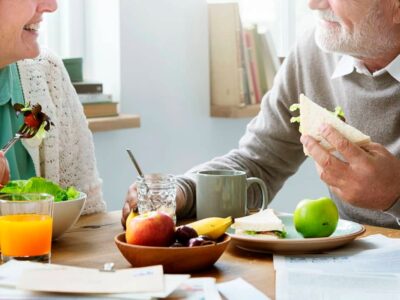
(26, 226)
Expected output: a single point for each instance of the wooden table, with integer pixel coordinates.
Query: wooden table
(91, 244)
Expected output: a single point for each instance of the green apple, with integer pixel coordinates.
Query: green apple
(316, 218)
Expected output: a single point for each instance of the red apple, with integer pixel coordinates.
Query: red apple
(151, 229)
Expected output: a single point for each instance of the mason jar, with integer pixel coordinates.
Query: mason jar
(157, 192)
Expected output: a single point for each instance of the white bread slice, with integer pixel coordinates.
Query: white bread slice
(265, 220)
(312, 116)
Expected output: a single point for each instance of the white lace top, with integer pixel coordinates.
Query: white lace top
(66, 156)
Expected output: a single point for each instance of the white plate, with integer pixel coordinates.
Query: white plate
(294, 243)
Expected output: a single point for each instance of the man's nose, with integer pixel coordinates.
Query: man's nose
(318, 4)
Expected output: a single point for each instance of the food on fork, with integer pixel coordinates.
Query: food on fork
(36, 123)
(312, 116)
(34, 119)
(262, 224)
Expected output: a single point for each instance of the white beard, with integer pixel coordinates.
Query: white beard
(370, 38)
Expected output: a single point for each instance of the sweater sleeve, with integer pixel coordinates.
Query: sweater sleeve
(85, 175)
(270, 148)
(71, 144)
(394, 211)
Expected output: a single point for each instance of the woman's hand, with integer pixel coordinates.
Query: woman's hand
(368, 178)
(4, 170)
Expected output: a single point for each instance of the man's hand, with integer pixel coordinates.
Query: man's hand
(368, 178)
(131, 202)
(4, 170)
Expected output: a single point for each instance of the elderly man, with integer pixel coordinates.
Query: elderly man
(350, 60)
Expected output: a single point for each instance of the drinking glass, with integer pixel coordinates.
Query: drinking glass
(25, 226)
(157, 192)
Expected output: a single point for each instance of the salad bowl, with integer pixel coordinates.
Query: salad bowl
(68, 202)
(66, 213)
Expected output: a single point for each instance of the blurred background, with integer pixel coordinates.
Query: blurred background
(153, 58)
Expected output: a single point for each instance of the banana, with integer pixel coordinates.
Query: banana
(132, 215)
(212, 227)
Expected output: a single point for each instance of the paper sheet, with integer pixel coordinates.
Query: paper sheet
(368, 269)
(240, 289)
(203, 288)
(386, 260)
(66, 279)
(11, 272)
(171, 283)
(308, 284)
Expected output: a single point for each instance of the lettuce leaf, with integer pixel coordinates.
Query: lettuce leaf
(339, 112)
(72, 193)
(40, 185)
(279, 234)
(250, 232)
(13, 187)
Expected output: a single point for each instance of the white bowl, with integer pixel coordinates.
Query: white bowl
(66, 213)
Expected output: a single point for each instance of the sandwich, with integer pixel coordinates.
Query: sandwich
(262, 224)
(312, 116)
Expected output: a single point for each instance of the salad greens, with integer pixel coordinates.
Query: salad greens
(40, 185)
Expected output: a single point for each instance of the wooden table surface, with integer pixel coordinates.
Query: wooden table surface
(91, 244)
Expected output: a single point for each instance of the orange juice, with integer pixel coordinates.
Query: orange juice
(25, 234)
(0, 232)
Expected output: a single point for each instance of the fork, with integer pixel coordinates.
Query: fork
(25, 132)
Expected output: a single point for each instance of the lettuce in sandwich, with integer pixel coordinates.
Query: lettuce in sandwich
(339, 113)
(312, 116)
(262, 224)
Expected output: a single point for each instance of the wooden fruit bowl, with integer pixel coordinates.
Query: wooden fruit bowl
(173, 259)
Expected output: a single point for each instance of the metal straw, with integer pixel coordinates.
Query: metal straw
(135, 163)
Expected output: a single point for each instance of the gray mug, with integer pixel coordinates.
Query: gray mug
(223, 193)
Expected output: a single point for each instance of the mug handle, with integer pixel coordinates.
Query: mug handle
(264, 191)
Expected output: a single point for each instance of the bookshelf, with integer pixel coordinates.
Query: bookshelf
(114, 123)
(246, 111)
(243, 63)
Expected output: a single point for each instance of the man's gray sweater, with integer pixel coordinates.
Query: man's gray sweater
(271, 148)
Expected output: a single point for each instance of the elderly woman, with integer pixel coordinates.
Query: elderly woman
(31, 75)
